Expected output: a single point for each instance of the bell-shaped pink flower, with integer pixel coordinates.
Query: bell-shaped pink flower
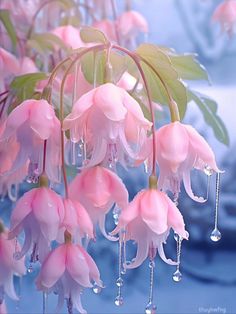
(130, 24)
(109, 120)
(107, 27)
(40, 213)
(9, 65)
(147, 220)
(180, 148)
(32, 123)
(69, 35)
(225, 14)
(98, 188)
(9, 266)
(76, 221)
(67, 270)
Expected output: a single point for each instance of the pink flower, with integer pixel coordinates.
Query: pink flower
(26, 65)
(33, 122)
(68, 270)
(9, 65)
(107, 118)
(225, 14)
(180, 148)
(98, 188)
(76, 221)
(69, 35)
(147, 220)
(107, 27)
(9, 266)
(40, 213)
(130, 24)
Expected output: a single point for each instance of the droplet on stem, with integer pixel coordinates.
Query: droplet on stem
(96, 289)
(215, 235)
(119, 300)
(177, 276)
(208, 171)
(150, 308)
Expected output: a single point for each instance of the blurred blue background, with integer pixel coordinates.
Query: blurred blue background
(209, 275)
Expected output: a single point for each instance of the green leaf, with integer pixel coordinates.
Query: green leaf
(188, 68)
(158, 59)
(6, 20)
(92, 35)
(208, 108)
(93, 66)
(23, 86)
(159, 71)
(45, 42)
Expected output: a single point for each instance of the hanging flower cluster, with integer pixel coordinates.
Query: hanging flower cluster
(78, 99)
(225, 14)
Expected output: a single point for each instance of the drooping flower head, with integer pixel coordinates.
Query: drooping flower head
(225, 14)
(67, 270)
(147, 220)
(40, 213)
(109, 120)
(32, 123)
(98, 188)
(179, 149)
(69, 35)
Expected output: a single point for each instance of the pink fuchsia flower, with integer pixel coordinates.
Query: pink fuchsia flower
(98, 188)
(225, 14)
(67, 270)
(180, 148)
(9, 266)
(147, 220)
(107, 118)
(69, 35)
(32, 123)
(107, 27)
(76, 221)
(130, 24)
(9, 65)
(40, 213)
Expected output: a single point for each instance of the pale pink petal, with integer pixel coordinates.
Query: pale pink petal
(77, 266)
(154, 210)
(83, 219)
(142, 253)
(52, 268)
(109, 98)
(93, 270)
(188, 188)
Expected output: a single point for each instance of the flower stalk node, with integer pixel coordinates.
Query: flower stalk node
(153, 182)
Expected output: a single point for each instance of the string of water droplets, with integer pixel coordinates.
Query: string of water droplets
(215, 234)
(177, 275)
(151, 307)
(119, 300)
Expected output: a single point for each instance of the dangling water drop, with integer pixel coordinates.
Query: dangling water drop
(119, 300)
(119, 282)
(150, 308)
(177, 276)
(208, 171)
(116, 214)
(30, 269)
(45, 302)
(73, 153)
(216, 235)
(96, 289)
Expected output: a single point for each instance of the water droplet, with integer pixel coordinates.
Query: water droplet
(215, 235)
(151, 264)
(123, 271)
(150, 308)
(96, 289)
(177, 276)
(30, 269)
(116, 214)
(208, 171)
(119, 300)
(119, 282)
(176, 237)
